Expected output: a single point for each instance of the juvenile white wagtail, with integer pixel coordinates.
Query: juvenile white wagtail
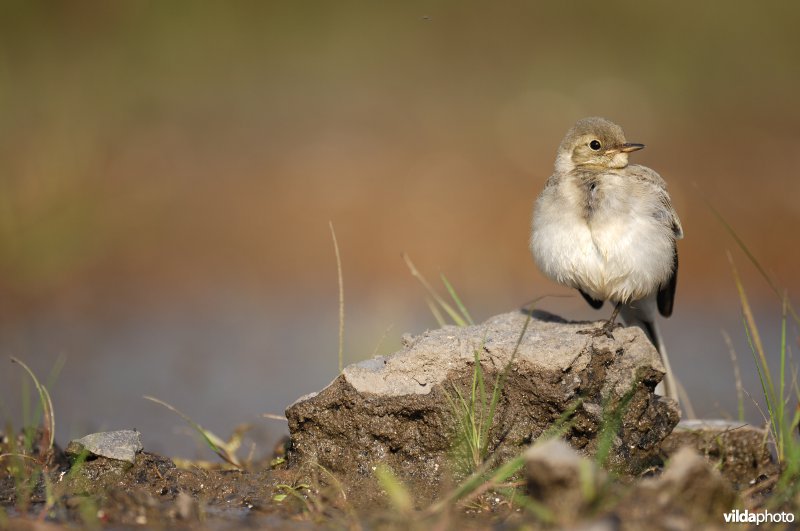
(608, 229)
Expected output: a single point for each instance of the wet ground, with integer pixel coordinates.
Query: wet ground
(153, 492)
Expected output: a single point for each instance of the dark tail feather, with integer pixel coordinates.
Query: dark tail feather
(642, 314)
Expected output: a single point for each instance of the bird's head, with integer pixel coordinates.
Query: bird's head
(594, 142)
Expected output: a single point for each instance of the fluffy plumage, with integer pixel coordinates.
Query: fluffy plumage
(608, 228)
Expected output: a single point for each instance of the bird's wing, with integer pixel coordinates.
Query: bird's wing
(666, 293)
(673, 219)
(666, 213)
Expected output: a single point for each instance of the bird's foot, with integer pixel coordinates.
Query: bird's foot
(605, 330)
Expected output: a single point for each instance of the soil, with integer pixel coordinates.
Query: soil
(153, 492)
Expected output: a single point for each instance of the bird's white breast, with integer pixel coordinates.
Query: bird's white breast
(618, 252)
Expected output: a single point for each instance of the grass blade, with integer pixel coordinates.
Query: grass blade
(48, 416)
(611, 423)
(751, 324)
(536, 508)
(453, 295)
(478, 480)
(217, 445)
(770, 419)
(454, 315)
(746, 250)
(737, 375)
(440, 320)
(341, 296)
(562, 424)
(782, 380)
(397, 492)
(500, 381)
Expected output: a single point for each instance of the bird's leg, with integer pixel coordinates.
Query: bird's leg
(607, 327)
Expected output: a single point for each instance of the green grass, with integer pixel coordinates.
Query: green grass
(497, 481)
(399, 496)
(780, 390)
(773, 285)
(782, 421)
(737, 377)
(226, 450)
(458, 314)
(611, 423)
(30, 463)
(476, 411)
(48, 427)
(475, 414)
(341, 295)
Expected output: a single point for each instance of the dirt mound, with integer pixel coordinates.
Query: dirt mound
(403, 410)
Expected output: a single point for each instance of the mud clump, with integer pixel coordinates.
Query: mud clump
(398, 410)
(564, 482)
(736, 449)
(689, 494)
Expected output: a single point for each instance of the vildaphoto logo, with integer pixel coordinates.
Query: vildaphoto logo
(761, 517)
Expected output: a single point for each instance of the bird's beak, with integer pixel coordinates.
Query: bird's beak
(627, 148)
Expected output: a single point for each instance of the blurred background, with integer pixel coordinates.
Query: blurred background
(168, 171)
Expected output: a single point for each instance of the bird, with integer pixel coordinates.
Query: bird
(608, 229)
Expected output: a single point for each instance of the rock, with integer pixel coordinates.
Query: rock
(562, 480)
(738, 450)
(122, 445)
(688, 495)
(398, 410)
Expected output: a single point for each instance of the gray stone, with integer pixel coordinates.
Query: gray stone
(122, 445)
(398, 410)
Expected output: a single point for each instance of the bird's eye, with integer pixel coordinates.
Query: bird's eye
(595, 145)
